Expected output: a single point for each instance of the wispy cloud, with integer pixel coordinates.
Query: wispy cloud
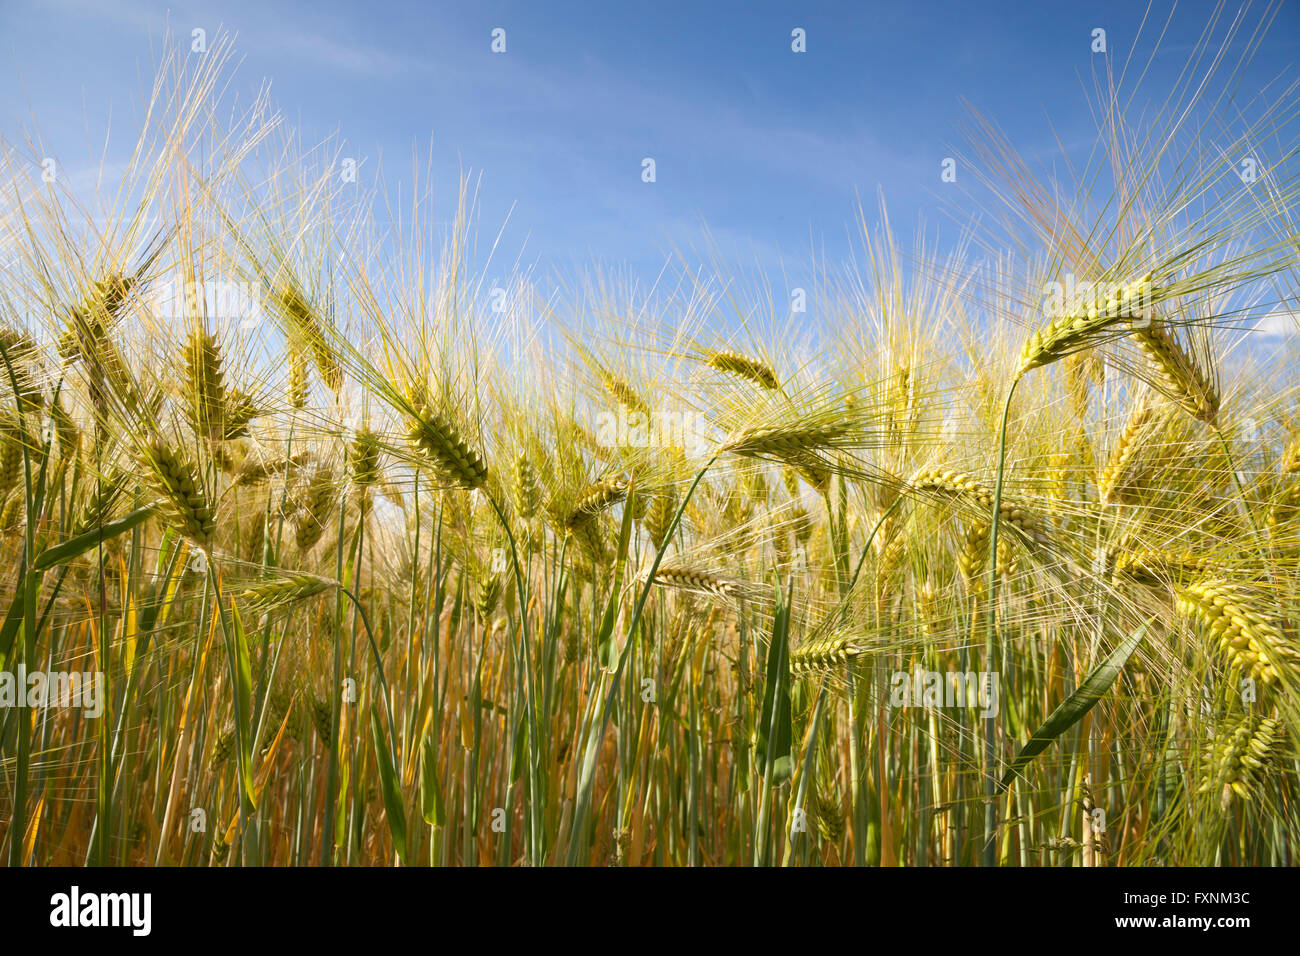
(1279, 325)
(343, 56)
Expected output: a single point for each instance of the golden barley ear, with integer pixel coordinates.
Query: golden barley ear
(1253, 644)
(1155, 566)
(441, 446)
(754, 370)
(1181, 377)
(701, 581)
(963, 487)
(622, 392)
(783, 442)
(973, 559)
(659, 515)
(1123, 467)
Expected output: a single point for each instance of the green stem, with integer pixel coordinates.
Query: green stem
(989, 853)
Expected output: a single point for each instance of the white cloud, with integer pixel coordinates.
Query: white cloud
(1279, 324)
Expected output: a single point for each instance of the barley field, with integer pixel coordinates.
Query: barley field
(987, 558)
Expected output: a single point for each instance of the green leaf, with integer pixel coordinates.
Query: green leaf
(774, 741)
(75, 547)
(244, 706)
(394, 808)
(1073, 708)
(13, 620)
(431, 805)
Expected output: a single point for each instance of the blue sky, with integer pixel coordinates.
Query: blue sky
(771, 149)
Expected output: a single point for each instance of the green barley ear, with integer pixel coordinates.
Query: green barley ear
(239, 412)
(525, 488)
(90, 320)
(487, 593)
(308, 328)
(823, 655)
(314, 508)
(659, 515)
(596, 498)
(11, 455)
(252, 540)
(280, 705)
(299, 383)
(13, 514)
(363, 458)
(1085, 328)
(65, 430)
(286, 589)
(23, 356)
(205, 384)
(760, 373)
(223, 747)
(572, 646)
(1236, 761)
(185, 503)
(88, 339)
(322, 718)
(98, 504)
(441, 445)
(827, 802)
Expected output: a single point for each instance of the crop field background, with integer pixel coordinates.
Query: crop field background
(322, 544)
